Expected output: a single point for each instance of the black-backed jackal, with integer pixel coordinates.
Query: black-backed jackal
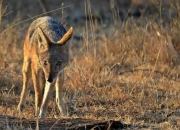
(45, 56)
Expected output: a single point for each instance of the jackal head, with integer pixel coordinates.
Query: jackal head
(53, 57)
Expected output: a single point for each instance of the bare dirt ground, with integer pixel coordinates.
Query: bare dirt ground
(123, 71)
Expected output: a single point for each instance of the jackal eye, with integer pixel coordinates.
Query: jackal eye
(59, 63)
(45, 63)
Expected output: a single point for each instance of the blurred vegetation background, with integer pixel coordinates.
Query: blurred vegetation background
(80, 14)
(124, 57)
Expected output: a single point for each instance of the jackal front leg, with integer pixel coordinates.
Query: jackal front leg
(59, 94)
(49, 87)
(26, 76)
(37, 89)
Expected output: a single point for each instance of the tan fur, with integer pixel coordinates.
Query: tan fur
(44, 60)
(66, 36)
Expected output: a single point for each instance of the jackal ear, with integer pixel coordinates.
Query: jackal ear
(66, 36)
(43, 42)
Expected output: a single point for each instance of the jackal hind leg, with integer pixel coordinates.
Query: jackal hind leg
(49, 87)
(36, 77)
(59, 94)
(26, 77)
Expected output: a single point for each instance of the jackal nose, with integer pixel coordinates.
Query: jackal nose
(50, 80)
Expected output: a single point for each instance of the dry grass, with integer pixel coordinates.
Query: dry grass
(130, 73)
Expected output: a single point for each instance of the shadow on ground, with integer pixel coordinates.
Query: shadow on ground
(9, 122)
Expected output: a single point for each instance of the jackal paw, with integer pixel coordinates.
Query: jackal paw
(42, 113)
(36, 114)
(42, 116)
(20, 107)
(64, 113)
